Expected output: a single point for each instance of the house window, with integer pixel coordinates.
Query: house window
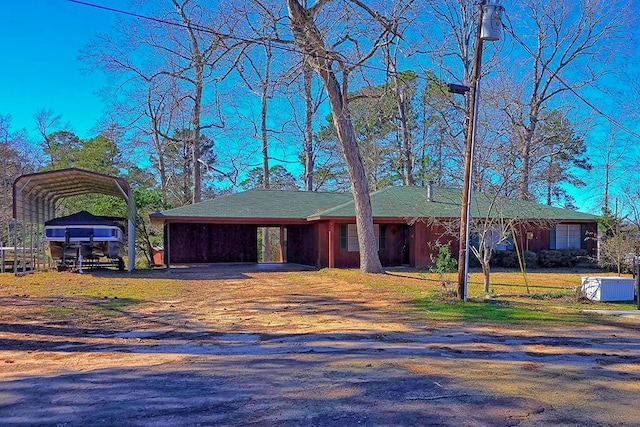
(568, 236)
(352, 238)
(351, 244)
(495, 239)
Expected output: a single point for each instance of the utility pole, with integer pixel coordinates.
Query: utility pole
(489, 28)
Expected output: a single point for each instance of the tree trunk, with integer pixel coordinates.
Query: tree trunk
(196, 111)
(407, 146)
(406, 135)
(264, 137)
(369, 259)
(308, 127)
(195, 135)
(265, 146)
(157, 144)
(265, 244)
(525, 168)
(310, 40)
(264, 132)
(550, 184)
(605, 201)
(486, 269)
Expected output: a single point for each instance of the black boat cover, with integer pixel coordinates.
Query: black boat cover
(81, 218)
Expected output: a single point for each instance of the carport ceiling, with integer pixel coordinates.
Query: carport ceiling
(35, 195)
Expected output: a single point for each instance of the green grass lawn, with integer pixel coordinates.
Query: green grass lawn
(493, 311)
(551, 296)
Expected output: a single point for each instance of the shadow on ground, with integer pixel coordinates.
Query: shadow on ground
(270, 350)
(253, 390)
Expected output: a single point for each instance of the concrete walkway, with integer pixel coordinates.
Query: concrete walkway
(631, 314)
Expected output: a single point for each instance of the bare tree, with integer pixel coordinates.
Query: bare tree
(570, 40)
(402, 85)
(48, 122)
(618, 241)
(493, 223)
(450, 42)
(450, 39)
(258, 69)
(170, 61)
(492, 228)
(612, 166)
(308, 36)
(313, 98)
(15, 160)
(308, 158)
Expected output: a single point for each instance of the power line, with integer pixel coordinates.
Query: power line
(280, 44)
(588, 103)
(164, 21)
(277, 44)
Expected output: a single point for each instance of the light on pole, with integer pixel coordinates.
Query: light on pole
(489, 29)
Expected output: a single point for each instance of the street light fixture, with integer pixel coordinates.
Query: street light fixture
(458, 89)
(489, 28)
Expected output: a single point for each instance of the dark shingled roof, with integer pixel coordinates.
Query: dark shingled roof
(392, 202)
(412, 203)
(274, 204)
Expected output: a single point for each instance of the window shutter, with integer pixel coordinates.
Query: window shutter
(383, 237)
(509, 243)
(343, 237)
(552, 237)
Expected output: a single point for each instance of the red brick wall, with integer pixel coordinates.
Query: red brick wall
(397, 235)
(424, 244)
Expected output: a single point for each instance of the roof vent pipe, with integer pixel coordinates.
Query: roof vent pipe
(430, 191)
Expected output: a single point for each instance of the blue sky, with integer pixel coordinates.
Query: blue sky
(41, 70)
(41, 43)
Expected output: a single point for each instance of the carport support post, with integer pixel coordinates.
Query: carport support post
(127, 195)
(282, 247)
(636, 276)
(131, 235)
(331, 255)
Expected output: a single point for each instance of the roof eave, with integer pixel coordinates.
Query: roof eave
(160, 219)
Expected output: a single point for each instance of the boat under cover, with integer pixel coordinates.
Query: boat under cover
(83, 234)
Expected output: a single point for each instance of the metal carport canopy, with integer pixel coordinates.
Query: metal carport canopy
(35, 196)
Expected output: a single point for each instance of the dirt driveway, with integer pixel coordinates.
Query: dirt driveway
(242, 346)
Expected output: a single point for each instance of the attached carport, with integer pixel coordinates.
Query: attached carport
(224, 229)
(195, 241)
(35, 197)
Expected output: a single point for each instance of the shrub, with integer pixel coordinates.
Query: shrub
(509, 259)
(560, 258)
(530, 259)
(497, 258)
(473, 261)
(442, 264)
(587, 261)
